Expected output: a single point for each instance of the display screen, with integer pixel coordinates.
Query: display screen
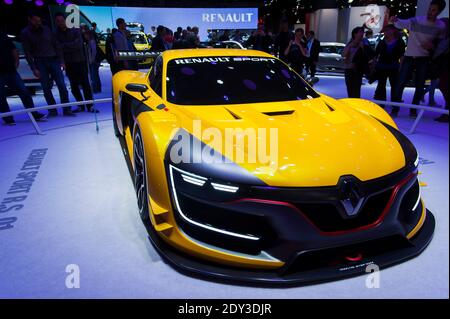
(233, 80)
(203, 18)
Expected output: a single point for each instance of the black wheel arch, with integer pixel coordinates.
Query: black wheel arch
(129, 108)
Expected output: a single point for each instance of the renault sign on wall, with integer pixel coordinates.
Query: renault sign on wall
(227, 17)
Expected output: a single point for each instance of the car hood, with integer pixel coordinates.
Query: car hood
(315, 141)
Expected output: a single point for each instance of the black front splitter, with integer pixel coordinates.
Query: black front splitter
(201, 269)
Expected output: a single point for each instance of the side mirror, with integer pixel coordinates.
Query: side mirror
(136, 87)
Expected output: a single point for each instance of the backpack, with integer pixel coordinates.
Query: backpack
(361, 61)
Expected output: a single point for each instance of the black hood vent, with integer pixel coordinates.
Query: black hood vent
(279, 113)
(236, 117)
(329, 107)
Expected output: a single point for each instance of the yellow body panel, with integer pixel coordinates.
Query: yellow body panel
(316, 147)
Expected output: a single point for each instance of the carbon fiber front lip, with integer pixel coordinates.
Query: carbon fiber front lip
(198, 268)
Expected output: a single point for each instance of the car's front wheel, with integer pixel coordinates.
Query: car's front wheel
(140, 177)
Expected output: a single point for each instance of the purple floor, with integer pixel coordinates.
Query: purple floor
(81, 209)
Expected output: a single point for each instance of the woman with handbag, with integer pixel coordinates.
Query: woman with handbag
(355, 63)
(297, 51)
(388, 54)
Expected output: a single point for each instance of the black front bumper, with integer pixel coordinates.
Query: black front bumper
(288, 276)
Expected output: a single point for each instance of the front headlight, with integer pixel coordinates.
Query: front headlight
(196, 182)
(200, 181)
(416, 162)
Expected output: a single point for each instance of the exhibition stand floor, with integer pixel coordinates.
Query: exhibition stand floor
(80, 209)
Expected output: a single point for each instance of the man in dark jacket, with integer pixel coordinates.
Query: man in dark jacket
(225, 36)
(71, 41)
(9, 61)
(260, 40)
(158, 43)
(177, 34)
(109, 52)
(313, 46)
(45, 57)
(282, 41)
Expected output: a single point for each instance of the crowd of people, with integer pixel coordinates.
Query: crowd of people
(162, 39)
(425, 57)
(299, 49)
(296, 48)
(49, 54)
(76, 51)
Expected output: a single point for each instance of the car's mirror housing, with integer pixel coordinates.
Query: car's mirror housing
(136, 87)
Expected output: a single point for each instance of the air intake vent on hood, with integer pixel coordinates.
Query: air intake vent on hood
(237, 117)
(279, 113)
(329, 107)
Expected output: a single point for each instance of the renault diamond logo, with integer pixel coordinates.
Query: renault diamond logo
(350, 199)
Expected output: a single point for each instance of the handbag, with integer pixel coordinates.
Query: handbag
(361, 61)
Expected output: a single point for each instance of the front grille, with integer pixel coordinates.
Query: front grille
(327, 217)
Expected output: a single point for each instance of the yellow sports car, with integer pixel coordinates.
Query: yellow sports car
(242, 171)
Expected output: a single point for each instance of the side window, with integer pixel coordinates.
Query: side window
(155, 77)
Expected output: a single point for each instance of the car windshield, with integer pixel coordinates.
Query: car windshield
(233, 80)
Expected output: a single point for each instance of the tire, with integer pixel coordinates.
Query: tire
(116, 128)
(140, 177)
